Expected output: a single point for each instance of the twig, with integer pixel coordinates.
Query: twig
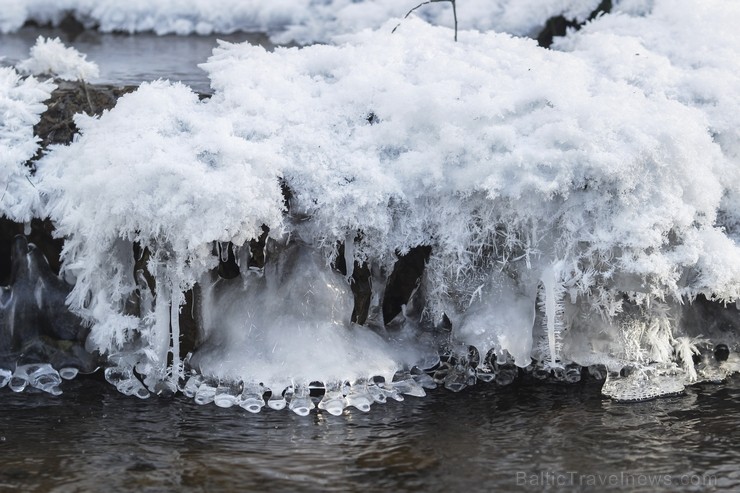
(454, 12)
(87, 95)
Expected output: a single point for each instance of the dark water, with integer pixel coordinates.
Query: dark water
(130, 60)
(548, 437)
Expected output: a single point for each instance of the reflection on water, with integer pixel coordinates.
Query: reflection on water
(130, 60)
(483, 439)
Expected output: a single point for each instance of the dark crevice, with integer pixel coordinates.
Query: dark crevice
(558, 25)
(41, 235)
(403, 280)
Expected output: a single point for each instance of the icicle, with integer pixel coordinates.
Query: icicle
(349, 255)
(160, 332)
(175, 326)
(553, 311)
(27, 228)
(223, 250)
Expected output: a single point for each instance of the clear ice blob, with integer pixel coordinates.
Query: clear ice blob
(68, 373)
(359, 396)
(277, 401)
(252, 397)
(205, 393)
(226, 395)
(408, 386)
(300, 402)
(333, 400)
(125, 381)
(5, 376)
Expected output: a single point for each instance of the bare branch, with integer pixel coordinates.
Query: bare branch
(454, 12)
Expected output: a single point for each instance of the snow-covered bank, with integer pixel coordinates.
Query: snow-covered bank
(569, 201)
(302, 21)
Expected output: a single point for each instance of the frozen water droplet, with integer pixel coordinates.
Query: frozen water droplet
(252, 398)
(277, 401)
(68, 373)
(46, 378)
(20, 379)
(333, 400)
(359, 396)
(484, 375)
(18, 383)
(506, 371)
(572, 373)
(598, 372)
(407, 385)
(5, 376)
(126, 382)
(300, 402)
(205, 394)
(191, 386)
(376, 393)
(456, 379)
(391, 392)
(425, 381)
(226, 395)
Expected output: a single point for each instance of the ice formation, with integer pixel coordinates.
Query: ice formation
(41, 342)
(50, 57)
(21, 104)
(340, 216)
(302, 21)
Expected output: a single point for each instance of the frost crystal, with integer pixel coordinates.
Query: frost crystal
(21, 104)
(51, 57)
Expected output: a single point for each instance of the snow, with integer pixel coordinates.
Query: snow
(51, 57)
(173, 177)
(21, 104)
(302, 21)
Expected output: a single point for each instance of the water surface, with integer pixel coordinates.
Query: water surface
(131, 59)
(546, 437)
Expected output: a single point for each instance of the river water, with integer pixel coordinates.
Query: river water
(550, 437)
(130, 60)
(523, 437)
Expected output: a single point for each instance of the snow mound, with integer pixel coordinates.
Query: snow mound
(21, 104)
